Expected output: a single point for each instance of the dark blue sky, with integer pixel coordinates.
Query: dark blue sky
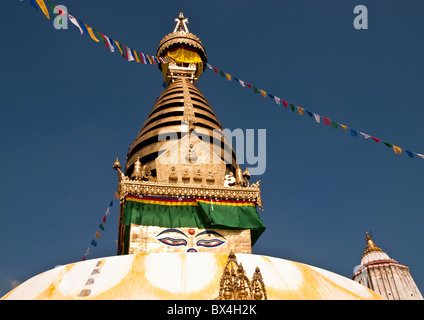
(69, 107)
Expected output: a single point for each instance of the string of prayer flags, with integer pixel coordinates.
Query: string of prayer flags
(127, 53)
(132, 55)
(326, 121)
(98, 234)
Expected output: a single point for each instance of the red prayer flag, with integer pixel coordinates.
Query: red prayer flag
(326, 120)
(285, 103)
(249, 85)
(376, 139)
(104, 218)
(215, 69)
(106, 43)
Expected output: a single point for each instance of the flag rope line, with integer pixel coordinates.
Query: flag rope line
(317, 117)
(133, 55)
(97, 235)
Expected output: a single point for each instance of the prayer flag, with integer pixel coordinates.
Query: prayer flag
(86, 254)
(119, 47)
(326, 121)
(74, 21)
(365, 135)
(263, 93)
(94, 243)
(101, 227)
(142, 58)
(334, 125)
(388, 145)
(397, 150)
(343, 126)
(317, 119)
(242, 83)
(277, 100)
(249, 85)
(353, 133)
(129, 55)
(285, 103)
(90, 32)
(309, 113)
(109, 41)
(420, 155)
(104, 218)
(34, 4)
(300, 110)
(43, 8)
(209, 66)
(222, 73)
(103, 37)
(256, 90)
(409, 153)
(271, 96)
(228, 76)
(82, 24)
(135, 55)
(97, 234)
(292, 106)
(375, 139)
(215, 69)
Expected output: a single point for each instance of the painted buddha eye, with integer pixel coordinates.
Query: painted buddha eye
(209, 243)
(173, 242)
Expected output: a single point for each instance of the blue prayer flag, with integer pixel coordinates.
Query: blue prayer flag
(409, 153)
(93, 243)
(34, 4)
(82, 25)
(353, 133)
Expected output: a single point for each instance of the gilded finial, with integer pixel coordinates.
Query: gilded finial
(370, 245)
(181, 24)
(117, 164)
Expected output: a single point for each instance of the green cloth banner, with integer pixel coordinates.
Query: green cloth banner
(204, 215)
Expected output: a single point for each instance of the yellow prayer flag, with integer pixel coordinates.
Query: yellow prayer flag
(397, 150)
(300, 110)
(90, 31)
(263, 93)
(42, 5)
(119, 47)
(343, 126)
(137, 59)
(228, 76)
(97, 234)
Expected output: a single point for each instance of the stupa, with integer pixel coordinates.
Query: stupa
(384, 275)
(188, 212)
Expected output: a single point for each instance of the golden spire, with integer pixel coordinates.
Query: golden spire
(370, 245)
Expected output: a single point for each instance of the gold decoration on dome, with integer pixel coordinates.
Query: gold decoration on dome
(370, 245)
(188, 116)
(181, 35)
(235, 285)
(186, 52)
(154, 188)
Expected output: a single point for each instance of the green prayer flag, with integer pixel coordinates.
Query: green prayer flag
(334, 125)
(222, 73)
(292, 106)
(388, 144)
(256, 90)
(101, 227)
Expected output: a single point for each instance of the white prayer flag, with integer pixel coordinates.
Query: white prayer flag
(74, 21)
